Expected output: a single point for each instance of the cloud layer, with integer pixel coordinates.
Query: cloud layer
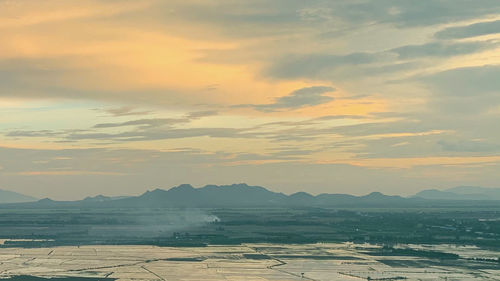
(342, 93)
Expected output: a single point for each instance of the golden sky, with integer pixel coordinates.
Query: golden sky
(118, 97)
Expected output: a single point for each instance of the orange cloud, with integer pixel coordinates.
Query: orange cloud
(68, 173)
(406, 163)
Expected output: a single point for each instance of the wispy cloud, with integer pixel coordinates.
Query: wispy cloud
(305, 97)
(144, 122)
(124, 111)
(68, 173)
(472, 30)
(442, 49)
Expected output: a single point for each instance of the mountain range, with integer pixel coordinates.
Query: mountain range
(243, 195)
(461, 193)
(14, 197)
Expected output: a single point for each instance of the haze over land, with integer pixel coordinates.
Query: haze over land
(118, 97)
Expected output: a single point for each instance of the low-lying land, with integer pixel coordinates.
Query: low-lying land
(233, 226)
(292, 243)
(279, 262)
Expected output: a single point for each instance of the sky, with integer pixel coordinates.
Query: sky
(117, 97)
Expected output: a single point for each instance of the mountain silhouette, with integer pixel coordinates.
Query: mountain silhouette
(186, 195)
(14, 197)
(461, 193)
(243, 195)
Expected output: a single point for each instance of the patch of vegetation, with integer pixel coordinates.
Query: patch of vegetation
(390, 251)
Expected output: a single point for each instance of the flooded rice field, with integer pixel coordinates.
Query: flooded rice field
(326, 262)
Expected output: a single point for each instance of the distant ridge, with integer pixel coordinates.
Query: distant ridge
(14, 197)
(461, 193)
(243, 195)
(186, 195)
(235, 195)
(102, 198)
